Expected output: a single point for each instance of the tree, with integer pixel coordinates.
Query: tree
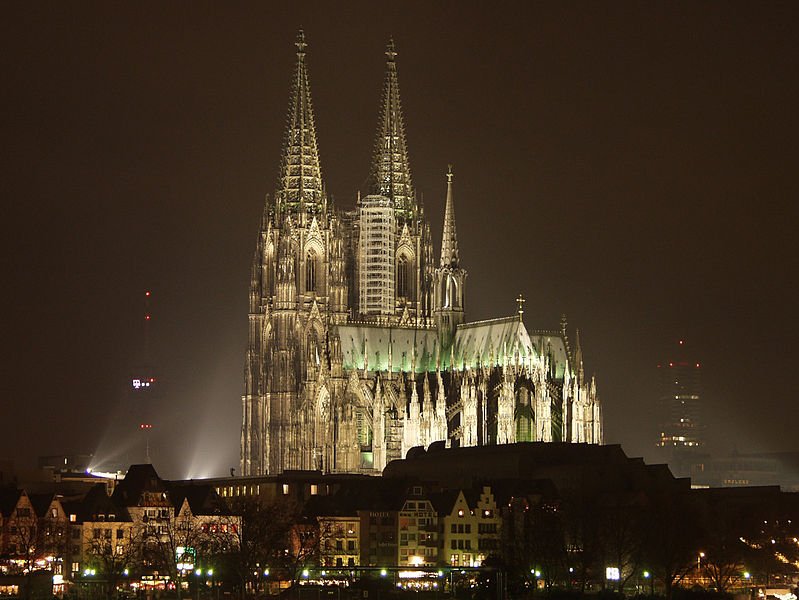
(583, 536)
(621, 534)
(166, 545)
(113, 555)
(672, 541)
(32, 536)
(261, 540)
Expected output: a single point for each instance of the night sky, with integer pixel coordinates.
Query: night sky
(633, 165)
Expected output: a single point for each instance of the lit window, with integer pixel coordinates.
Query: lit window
(314, 489)
(73, 517)
(285, 489)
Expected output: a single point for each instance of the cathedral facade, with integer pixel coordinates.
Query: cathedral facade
(359, 349)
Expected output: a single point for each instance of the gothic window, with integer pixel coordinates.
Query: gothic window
(449, 291)
(364, 431)
(403, 277)
(310, 272)
(525, 415)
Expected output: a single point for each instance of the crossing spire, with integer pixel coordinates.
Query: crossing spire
(300, 188)
(391, 172)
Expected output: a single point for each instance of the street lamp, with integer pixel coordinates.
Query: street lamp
(699, 558)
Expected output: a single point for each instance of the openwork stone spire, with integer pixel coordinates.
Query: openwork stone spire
(391, 172)
(449, 241)
(300, 188)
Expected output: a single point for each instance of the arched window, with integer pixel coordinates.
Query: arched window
(403, 277)
(310, 271)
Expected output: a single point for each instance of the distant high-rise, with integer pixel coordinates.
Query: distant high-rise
(680, 401)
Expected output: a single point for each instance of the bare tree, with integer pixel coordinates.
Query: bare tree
(31, 538)
(263, 541)
(672, 539)
(166, 545)
(621, 531)
(113, 550)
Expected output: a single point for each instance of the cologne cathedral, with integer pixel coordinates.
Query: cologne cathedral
(359, 348)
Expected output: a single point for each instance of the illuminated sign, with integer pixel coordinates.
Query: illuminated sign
(142, 382)
(612, 573)
(185, 558)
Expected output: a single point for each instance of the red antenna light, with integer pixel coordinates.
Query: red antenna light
(146, 317)
(147, 293)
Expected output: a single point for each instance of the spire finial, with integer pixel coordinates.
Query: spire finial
(391, 52)
(520, 301)
(300, 43)
(449, 173)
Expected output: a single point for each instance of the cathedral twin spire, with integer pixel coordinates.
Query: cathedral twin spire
(300, 188)
(391, 172)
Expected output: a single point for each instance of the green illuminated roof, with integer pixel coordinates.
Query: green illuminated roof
(371, 342)
(492, 342)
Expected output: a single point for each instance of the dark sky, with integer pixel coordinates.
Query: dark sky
(633, 165)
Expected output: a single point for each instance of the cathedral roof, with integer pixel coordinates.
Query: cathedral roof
(481, 343)
(368, 346)
(492, 342)
(553, 345)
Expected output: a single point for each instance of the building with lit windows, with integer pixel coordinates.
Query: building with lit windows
(679, 410)
(418, 531)
(359, 348)
(472, 528)
(680, 401)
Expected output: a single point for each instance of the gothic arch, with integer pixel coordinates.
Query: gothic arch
(314, 244)
(268, 266)
(323, 408)
(312, 271)
(405, 273)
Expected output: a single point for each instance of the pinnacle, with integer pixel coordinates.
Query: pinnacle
(449, 242)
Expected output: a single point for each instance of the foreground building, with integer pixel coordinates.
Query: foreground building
(359, 348)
